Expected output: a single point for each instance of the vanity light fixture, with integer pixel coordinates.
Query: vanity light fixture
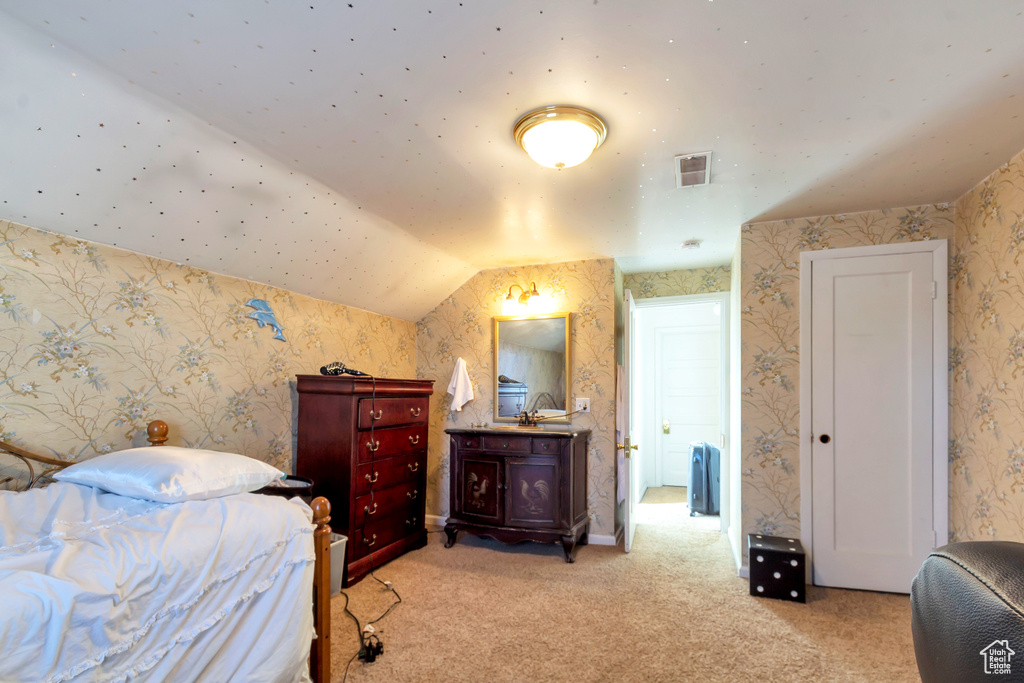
(524, 297)
(560, 136)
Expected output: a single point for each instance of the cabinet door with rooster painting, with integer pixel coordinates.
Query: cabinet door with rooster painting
(532, 492)
(479, 489)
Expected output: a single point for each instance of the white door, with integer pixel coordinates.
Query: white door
(688, 386)
(627, 435)
(872, 380)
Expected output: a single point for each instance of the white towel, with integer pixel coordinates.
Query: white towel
(460, 387)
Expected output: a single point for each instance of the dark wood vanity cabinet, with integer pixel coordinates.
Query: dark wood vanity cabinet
(519, 486)
(363, 442)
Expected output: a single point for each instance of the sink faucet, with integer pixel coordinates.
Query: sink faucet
(527, 419)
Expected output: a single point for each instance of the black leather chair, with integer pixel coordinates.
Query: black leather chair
(967, 604)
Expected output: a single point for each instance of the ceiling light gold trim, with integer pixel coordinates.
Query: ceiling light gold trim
(560, 113)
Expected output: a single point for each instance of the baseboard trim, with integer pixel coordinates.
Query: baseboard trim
(593, 539)
(744, 571)
(601, 539)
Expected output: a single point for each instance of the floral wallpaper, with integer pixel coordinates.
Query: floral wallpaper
(460, 326)
(678, 282)
(97, 341)
(770, 334)
(986, 450)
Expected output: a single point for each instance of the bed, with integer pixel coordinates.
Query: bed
(100, 586)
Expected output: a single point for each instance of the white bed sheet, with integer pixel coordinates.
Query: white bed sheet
(99, 587)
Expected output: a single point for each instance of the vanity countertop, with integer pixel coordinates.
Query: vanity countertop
(548, 430)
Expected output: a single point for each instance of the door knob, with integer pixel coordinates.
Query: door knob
(824, 438)
(666, 427)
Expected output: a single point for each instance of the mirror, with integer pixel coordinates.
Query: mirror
(532, 362)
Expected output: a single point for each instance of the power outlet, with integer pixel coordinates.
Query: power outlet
(583, 405)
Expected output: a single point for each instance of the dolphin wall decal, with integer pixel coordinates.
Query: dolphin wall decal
(263, 316)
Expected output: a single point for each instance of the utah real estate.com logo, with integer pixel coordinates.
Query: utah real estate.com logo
(997, 657)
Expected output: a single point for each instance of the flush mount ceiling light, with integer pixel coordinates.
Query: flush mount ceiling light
(560, 136)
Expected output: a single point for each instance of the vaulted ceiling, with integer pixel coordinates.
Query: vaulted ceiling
(361, 151)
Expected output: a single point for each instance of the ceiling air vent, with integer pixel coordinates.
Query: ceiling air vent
(693, 169)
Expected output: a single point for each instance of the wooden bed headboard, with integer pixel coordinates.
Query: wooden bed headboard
(156, 434)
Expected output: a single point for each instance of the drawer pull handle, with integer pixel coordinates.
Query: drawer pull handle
(414, 467)
(370, 511)
(414, 439)
(505, 445)
(415, 412)
(373, 446)
(372, 480)
(410, 522)
(378, 415)
(412, 494)
(370, 542)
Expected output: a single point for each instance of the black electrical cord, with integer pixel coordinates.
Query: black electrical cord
(366, 642)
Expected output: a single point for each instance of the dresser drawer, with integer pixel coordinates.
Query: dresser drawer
(468, 443)
(384, 412)
(389, 442)
(390, 472)
(546, 446)
(386, 502)
(506, 444)
(383, 532)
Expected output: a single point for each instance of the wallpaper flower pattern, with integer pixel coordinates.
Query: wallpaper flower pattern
(678, 282)
(770, 276)
(986, 450)
(461, 327)
(97, 341)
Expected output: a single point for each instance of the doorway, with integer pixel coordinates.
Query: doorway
(680, 395)
(874, 411)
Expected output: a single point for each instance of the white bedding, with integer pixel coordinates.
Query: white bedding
(99, 587)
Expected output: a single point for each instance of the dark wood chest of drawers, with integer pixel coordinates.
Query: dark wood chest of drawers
(519, 486)
(363, 442)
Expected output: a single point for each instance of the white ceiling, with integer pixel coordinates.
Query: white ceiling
(361, 151)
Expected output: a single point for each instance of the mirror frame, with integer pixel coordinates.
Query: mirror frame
(568, 362)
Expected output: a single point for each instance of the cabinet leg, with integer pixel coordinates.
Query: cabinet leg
(569, 547)
(451, 532)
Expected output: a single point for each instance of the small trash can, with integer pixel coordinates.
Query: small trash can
(338, 543)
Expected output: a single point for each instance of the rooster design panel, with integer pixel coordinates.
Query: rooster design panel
(533, 491)
(480, 487)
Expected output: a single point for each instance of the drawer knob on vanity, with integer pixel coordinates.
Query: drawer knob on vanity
(415, 412)
(414, 467)
(414, 439)
(378, 415)
(504, 445)
(412, 494)
(373, 446)
(368, 541)
(372, 480)
(411, 521)
(370, 510)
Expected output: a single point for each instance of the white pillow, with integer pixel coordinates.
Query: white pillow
(169, 474)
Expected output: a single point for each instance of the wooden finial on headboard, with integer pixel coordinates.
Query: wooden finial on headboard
(157, 431)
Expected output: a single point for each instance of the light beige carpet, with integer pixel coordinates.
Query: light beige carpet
(672, 610)
(664, 495)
